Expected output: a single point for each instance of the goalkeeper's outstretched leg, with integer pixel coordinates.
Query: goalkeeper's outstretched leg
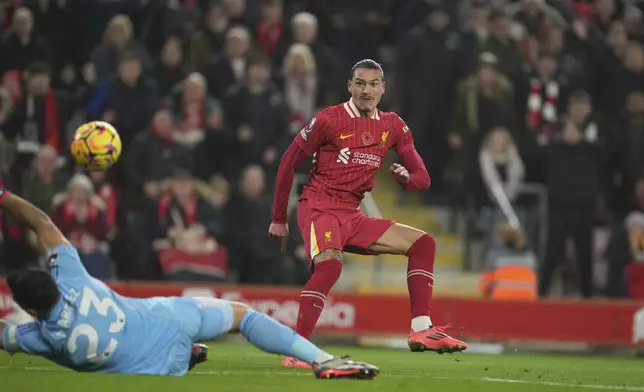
(218, 316)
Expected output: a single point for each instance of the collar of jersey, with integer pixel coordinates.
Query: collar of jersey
(355, 110)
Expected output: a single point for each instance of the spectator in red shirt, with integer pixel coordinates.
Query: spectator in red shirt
(81, 218)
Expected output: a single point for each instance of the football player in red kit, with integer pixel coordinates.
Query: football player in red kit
(349, 143)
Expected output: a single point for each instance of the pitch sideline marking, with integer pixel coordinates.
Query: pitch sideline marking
(562, 384)
(296, 373)
(485, 379)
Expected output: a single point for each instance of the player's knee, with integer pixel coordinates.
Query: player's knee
(423, 245)
(240, 310)
(328, 254)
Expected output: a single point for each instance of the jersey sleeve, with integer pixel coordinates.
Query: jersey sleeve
(25, 338)
(315, 134)
(65, 263)
(292, 158)
(404, 138)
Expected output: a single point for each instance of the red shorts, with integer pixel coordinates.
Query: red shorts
(333, 226)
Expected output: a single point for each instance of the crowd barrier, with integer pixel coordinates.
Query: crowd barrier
(597, 322)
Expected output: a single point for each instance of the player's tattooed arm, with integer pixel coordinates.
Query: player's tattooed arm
(35, 219)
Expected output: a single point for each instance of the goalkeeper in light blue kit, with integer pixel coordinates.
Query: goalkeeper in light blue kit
(84, 325)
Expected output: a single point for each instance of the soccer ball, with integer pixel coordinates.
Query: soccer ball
(96, 145)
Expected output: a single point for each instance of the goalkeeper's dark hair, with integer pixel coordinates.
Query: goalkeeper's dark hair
(34, 290)
(367, 64)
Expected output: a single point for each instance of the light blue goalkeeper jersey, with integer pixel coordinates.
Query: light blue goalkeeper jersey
(94, 329)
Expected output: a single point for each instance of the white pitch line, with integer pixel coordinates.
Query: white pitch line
(44, 369)
(249, 373)
(407, 375)
(562, 384)
(419, 375)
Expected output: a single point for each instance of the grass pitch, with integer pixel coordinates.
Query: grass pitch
(234, 367)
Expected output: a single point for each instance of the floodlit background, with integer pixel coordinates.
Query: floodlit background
(529, 115)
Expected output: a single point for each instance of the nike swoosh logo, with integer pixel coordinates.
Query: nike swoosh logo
(317, 306)
(343, 136)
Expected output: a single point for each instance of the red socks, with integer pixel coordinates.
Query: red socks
(420, 282)
(420, 275)
(325, 274)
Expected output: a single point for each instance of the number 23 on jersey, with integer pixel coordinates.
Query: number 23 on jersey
(89, 302)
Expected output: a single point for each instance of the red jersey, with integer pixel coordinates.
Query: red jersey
(349, 149)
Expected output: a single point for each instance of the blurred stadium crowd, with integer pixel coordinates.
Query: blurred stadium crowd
(206, 95)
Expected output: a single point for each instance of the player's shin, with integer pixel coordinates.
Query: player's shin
(420, 280)
(270, 336)
(314, 293)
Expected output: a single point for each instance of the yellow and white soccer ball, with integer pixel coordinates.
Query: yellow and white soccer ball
(96, 145)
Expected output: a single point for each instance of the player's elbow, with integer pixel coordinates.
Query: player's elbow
(48, 234)
(426, 181)
(286, 165)
(416, 183)
(420, 181)
(292, 157)
(42, 223)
